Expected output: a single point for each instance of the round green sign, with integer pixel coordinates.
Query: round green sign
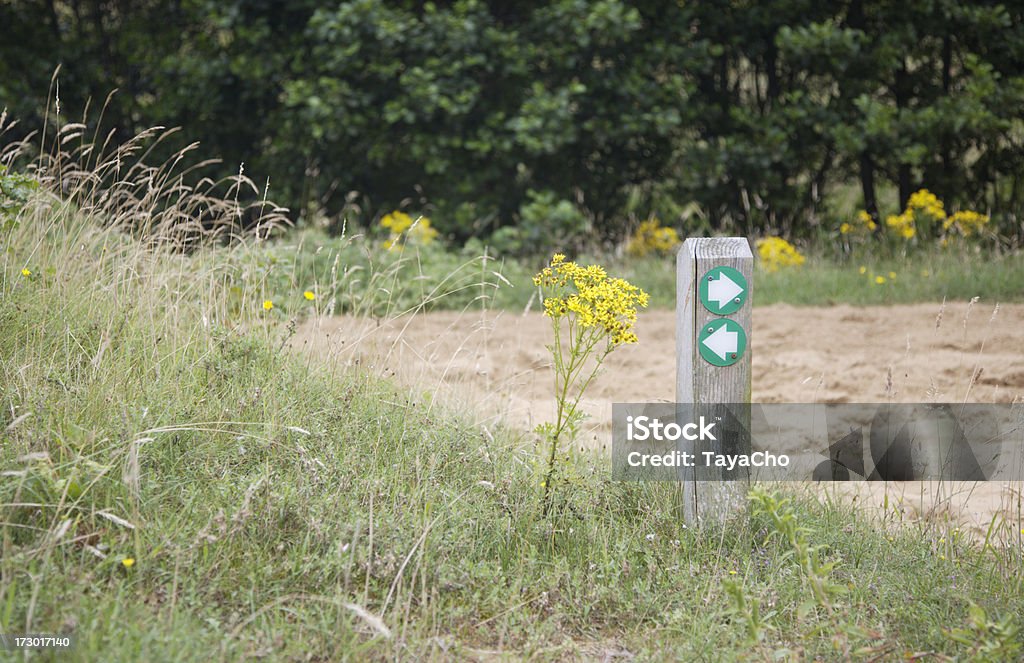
(723, 290)
(722, 342)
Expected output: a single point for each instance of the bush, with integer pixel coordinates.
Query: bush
(544, 221)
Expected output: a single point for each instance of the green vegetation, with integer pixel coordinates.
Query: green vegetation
(823, 281)
(761, 113)
(598, 312)
(417, 279)
(358, 275)
(175, 486)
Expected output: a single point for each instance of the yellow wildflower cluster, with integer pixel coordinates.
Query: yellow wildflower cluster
(926, 202)
(652, 237)
(599, 301)
(776, 252)
(862, 226)
(967, 222)
(902, 224)
(419, 230)
(925, 206)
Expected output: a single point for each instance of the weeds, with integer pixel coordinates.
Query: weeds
(174, 487)
(987, 640)
(599, 313)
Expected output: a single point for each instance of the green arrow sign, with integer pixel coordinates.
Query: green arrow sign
(722, 342)
(723, 290)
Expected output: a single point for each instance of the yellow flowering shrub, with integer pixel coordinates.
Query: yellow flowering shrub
(776, 253)
(419, 231)
(597, 303)
(926, 211)
(862, 226)
(600, 312)
(902, 224)
(966, 222)
(397, 222)
(652, 238)
(924, 202)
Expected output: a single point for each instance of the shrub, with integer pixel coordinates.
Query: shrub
(776, 253)
(404, 228)
(652, 238)
(15, 190)
(543, 221)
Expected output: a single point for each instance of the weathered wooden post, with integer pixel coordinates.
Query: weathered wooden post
(714, 284)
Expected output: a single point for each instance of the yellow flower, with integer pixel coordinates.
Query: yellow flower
(892, 275)
(267, 304)
(309, 295)
(128, 562)
(862, 226)
(925, 201)
(397, 222)
(776, 252)
(596, 300)
(732, 573)
(863, 269)
(650, 238)
(968, 222)
(420, 231)
(925, 273)
(879, 280)
(903, 224)
(26, 272)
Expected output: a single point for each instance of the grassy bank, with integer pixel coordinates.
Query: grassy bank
(356, 275)
(175, 487)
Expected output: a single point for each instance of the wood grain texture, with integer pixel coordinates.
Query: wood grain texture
(711, 388)
(686, 354)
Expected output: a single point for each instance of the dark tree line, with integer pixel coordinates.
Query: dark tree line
(755, 110)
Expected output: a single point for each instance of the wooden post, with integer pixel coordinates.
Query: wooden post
(716, 391)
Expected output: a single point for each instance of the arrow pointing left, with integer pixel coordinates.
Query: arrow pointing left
(722, 342)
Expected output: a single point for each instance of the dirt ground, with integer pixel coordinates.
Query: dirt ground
(495, 364)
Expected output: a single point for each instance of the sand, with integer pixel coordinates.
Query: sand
(495, 365)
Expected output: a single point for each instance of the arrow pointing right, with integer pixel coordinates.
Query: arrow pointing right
(723, 290)
(722, 342)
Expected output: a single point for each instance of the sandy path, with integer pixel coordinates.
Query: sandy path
(496, 364)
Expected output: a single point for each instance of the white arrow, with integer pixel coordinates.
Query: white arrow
(723, 290)
(722, 342)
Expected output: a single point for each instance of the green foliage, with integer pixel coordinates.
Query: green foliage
(756, 112)
(987, 641)
(357, 275)
(15, 189)
(284, 508)
(544, 221)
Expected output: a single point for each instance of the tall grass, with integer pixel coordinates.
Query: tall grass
(274, 509)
